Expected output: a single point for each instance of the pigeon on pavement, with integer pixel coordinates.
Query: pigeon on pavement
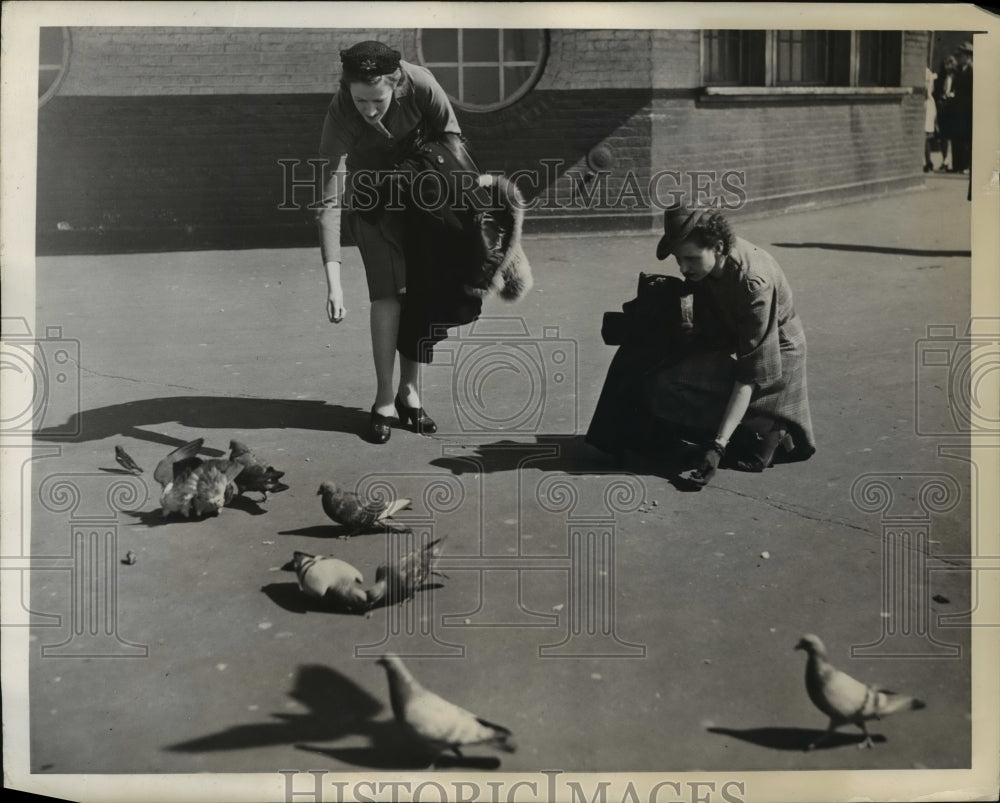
(843, 699)
(257, 475)
(435, 723)
(346, 508)
(126, 462)
(332, 580)
(192, 485)
(399, 580)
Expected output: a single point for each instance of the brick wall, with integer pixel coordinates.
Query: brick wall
(177, 132)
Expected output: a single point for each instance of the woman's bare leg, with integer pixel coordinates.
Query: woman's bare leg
(385, 328)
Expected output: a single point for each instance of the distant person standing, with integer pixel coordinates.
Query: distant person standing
(943, 97)
(930, 117)
(961, 108)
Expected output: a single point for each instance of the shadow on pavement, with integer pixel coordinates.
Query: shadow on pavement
(567, 453)
(204, 412)
(876, 249)
(338, 708)
(391, 751)
(793, 738)
(291, 598)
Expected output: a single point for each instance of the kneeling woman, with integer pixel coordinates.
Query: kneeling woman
(740, 374)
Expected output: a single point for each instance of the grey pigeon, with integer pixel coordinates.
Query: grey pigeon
(332, 580)
(257, 475)
(843, 699)
(192, 485)
(346, 508)
(126, 462)
(436, 724)
(399, 580)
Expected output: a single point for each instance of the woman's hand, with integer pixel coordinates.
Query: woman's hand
(335, 309)
(708, 464)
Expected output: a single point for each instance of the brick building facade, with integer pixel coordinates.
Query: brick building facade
(176, 137)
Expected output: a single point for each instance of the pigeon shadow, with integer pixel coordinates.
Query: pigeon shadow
(204, 413)
(337, 707)
(289, 597)
(339, 531)
(390, 749)
(246, 505)
(797, 739)
(155, 517)
(117, 471)
(388, 602)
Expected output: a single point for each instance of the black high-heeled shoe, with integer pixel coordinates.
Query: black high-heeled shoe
(416, 418)
(379, 427)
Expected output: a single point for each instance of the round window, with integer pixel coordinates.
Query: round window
(53, 56)
(483, 68)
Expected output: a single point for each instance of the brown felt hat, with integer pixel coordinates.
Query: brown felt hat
(678, 222)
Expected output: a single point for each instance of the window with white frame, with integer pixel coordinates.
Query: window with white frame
(483, 68)
(801, 58)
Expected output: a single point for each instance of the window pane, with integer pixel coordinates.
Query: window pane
(520, 45)
(440, 44)
(50, 46)
(448, 78)
(482, 85)
(840, 58)
(734, 57)
(752, 63)
(878, 58)
(514, 78)
(481, 44)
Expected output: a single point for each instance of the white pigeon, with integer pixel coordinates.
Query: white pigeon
(332, 580)
(843, 699)
(434, 722)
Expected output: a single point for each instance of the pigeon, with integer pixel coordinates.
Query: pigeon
(344, 507)
(843, 699)
(126, 462)
(399, 580)
(192, 485)
(332, 580)
(256, 475)
(436, 724)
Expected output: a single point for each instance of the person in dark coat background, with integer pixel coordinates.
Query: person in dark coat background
(719, 358)
(961, 110)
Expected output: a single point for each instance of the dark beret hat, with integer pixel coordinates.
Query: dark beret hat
(369, 59)
(678, 222)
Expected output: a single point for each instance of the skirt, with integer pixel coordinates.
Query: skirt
(380, 242)
(695, 391)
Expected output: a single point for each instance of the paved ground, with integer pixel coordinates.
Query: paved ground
(239, 676)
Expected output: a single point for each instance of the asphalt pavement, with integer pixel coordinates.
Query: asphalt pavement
(613, 622)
